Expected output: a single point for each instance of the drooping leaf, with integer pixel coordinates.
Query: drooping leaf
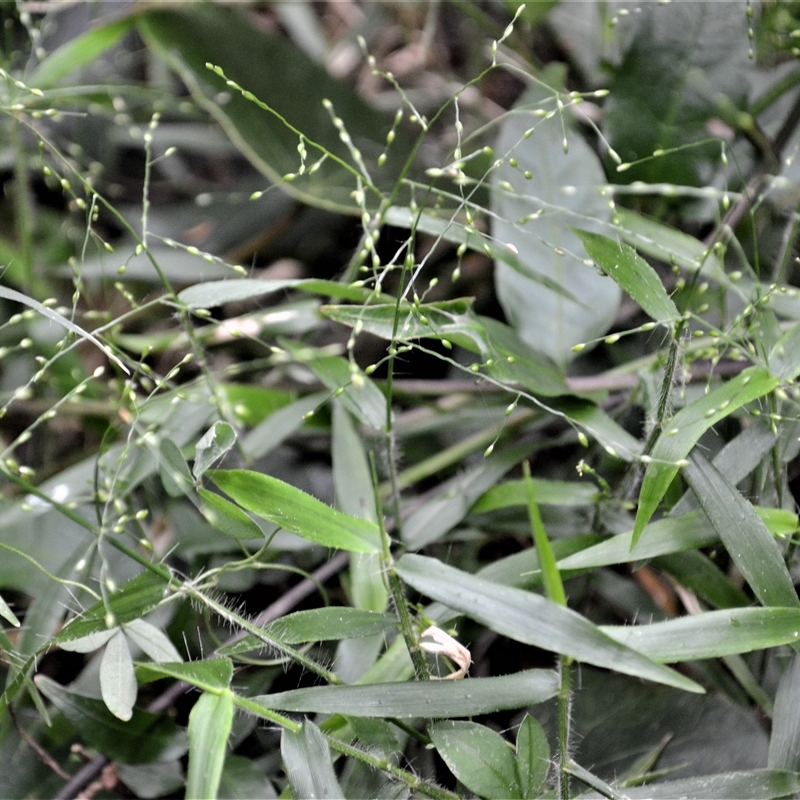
(296, 511)
(227, 517)
(711, 634)
(480, 758)
(318, 625)
(634, 275)
(746, 538)
(534, 214)
(144, 738)
(533, 757)
(530, 618)
(151, 640)
(420, 698)
(210, 722)
(307, 760)
(117, 678)
(681, 433)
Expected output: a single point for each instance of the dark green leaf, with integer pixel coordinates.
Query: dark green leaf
(530, 618)
(533, 757)
(211, 675)
(745, 536)
(464, 698)
(144, 738)
(297, 511)
(227, 517)
(784, 741)
(480, 758)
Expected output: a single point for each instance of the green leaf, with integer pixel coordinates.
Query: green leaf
(317, 625)
(77, 52)
(307, 760)
(784, 358)
(297, 511)
(420, 698)
(151, 640)
(144, 738)
(682, 432)
(190, 38)
(210, 722)
(548, 493)
(174, 471)
(746, 538)
(227, 517)
(711, 634)
(480, 758)
(217, 293)
(213, 445)
(137, 597)
(355, 494)
(90, 643)
(117, 678)
(564, 186)
(211, 675)
(757, 784)
(634, 275)
(7, 614)
(530, 619)
(784, 741)
(696, 571)
(533, 758)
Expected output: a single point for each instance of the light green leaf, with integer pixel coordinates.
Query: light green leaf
(173, 469)
(711, 634)
(531, 619)
(784, 741)
(117, 678)
(151, 640)
(533, 757)
(317, 625)
(636, 277)
(746, 538)
(564, 187)
(307, 760)
(757, 784)
(78, 51)
(297, 511)
(227, 517)
(420, 698)
(90, 643)
(213, 445)
(211, 675)
(210, 722)
(784, 358)
(682, 432)
(7, 614)
(480, 758)
(144, 738)
(548, 493)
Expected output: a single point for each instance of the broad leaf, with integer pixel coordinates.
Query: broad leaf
(151, 640)
(297, 511)
(420, 698)
(210, 722)
(530, 618)
(227, 517)
(480, 758)
(117, 678)
(213, 445)
(533, 757)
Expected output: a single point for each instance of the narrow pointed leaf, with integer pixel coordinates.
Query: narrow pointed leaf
(151, 640)
(784, 741)
(480, 758)
(420, 698)
(296, 511)
(307, 760)
(745, 536)
(531, 619)
(117, 678)
(634, 275)
(712, 634)
(318, 625)
(533, 757)
(548, 493)
(210, 722)
(227, 517)
(211, 675)
(173, 469)
(682, 433)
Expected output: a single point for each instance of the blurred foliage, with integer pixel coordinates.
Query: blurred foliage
(399, 399)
